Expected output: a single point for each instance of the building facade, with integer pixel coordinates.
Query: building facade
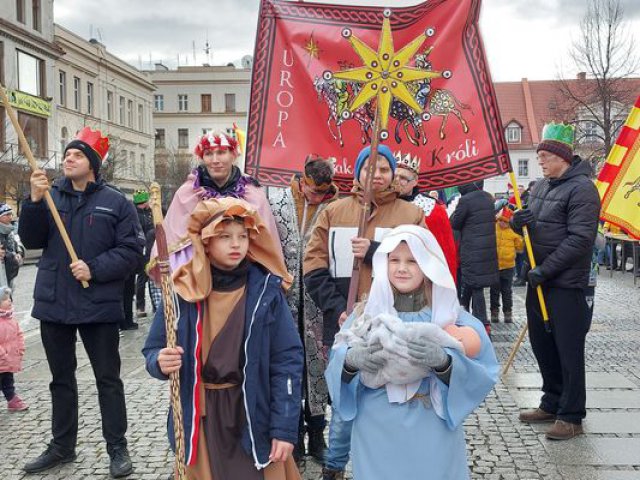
(96, 89)
(28, 53)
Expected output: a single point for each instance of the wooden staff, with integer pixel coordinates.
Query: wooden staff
(532, 262)
(34, 166)
(170, 322)
(365, 212)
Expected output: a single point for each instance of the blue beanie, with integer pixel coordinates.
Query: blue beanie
(366, 152)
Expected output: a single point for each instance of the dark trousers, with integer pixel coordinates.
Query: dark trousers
(505, 289)
(475, 298)
(101, 341)
(519, 271)
(7, 385)
(560, 354)
(141, 287)
(129, 291)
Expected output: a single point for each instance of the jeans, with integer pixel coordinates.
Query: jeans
(504, 288)
(101, 341)
(339, 442)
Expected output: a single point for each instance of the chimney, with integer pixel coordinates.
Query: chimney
(582, 76)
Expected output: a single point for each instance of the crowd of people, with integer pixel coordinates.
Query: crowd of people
(267, 342)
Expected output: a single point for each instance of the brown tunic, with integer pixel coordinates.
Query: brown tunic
(220, 455)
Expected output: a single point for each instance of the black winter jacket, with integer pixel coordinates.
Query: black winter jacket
(106, 234)
(567, 210)
(474, 220)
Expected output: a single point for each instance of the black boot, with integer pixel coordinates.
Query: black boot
(330, 474)
(298, 449)
(120, 465)
(317, 446)
(49, 459)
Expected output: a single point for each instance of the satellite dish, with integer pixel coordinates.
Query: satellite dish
(247, 61)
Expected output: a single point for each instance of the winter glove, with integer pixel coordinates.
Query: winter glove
(366, 358)
(535, 277)
(522, 218)
(428, 354)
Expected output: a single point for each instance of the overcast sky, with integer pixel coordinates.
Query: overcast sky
(523, 38)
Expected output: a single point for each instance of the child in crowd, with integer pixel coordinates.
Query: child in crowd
(11, 351)
(509, 243)
(239, 355)
(411, 430)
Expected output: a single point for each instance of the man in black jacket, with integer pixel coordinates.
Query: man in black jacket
(105, 232)
(474, 223)
(562, 217)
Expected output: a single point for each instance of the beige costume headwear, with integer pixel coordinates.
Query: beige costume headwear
(193, 280)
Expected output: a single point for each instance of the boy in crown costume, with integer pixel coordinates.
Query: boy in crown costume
(562, 217)
(435, 213)
(217, 176)
(104, 230)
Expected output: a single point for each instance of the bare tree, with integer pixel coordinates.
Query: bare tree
(172, 168)
(599, 99)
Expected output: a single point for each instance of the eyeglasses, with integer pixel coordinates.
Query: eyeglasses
(404, 180)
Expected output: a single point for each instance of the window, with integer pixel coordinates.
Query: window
(76, 93)
(30, 74)
(35, 129)
(160, 138)
(183, 138)
(589, 132)
(109, 106)
(130, 113)
(140, 118)
(64, 138)
(158, 103)
(205, 100)
(62, 93)
(143, 167)
(121, 116)
(523, 167)
(20, 16)
(183, 103)
(229, 102)
(514, 134)
(132, 163)
(35, 10)
(89, 98)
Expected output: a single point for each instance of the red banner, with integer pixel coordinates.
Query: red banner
(320, 71)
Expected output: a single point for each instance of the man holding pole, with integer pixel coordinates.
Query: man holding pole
(562, 218)
(328, 264)
(105, 231)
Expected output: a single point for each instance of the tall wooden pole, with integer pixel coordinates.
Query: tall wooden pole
(34, 166)
(170, 326)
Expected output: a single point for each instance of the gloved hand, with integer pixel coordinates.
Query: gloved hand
(364, 357)
(427, 354)
(535, 277)
(522, 218)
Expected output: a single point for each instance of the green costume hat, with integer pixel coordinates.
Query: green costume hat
(558, 139)
(140, 196)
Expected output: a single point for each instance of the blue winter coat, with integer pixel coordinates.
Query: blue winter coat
(272, 368)
(105, 232)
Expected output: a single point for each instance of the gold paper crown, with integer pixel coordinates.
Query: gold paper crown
(407, 161)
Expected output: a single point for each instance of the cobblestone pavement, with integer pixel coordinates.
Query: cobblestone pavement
(499, 447)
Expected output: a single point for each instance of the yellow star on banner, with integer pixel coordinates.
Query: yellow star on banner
(385, 74)
(312, 48)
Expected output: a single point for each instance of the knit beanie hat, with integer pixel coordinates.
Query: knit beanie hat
(93, 145)
(558, 139)
(364, 154)
(5, 293)
(4, 209)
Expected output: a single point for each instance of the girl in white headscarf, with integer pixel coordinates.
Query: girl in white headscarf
(410, 430)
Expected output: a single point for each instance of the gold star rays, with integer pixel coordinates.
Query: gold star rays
(385, 74)
(312, 48)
